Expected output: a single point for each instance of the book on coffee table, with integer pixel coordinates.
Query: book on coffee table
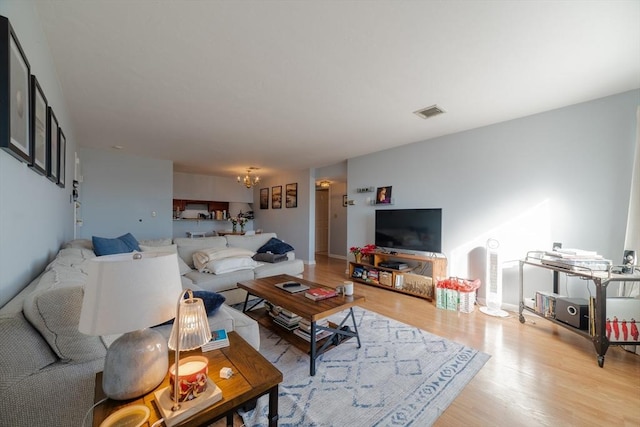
(318, 294)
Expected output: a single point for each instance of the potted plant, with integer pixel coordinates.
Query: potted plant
(366, 251)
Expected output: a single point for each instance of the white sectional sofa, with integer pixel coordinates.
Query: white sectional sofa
(47, 367)
(226, 283)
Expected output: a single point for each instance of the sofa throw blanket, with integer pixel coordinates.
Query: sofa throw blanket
(203, 257)
(272, 258)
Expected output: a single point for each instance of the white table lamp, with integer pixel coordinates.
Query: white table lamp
(127, 294)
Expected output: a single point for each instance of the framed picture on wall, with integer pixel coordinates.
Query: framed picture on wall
(52, 146)
(15, 113)
(62, 157)
(383, 195)
(292, 195)
(276, 197)
(264, 198)
(38, 128)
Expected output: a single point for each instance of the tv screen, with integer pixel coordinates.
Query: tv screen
(418, 230)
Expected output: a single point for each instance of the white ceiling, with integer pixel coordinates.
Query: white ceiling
(218, 86)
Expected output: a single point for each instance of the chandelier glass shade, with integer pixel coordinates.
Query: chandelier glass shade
(248, 181)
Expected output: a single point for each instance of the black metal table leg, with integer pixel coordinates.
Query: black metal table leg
(273, 407)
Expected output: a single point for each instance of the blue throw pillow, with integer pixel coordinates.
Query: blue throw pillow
(119, 245)
(212, 302)
(275, 246)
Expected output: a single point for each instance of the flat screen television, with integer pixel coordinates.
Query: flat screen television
(409, 230)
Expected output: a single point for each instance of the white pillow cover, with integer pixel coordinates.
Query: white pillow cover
(227, 265)
(202, 257)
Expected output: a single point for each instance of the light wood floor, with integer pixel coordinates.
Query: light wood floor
(539, 374)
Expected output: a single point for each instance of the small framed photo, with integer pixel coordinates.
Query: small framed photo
(344, 200)
(383, 195)
(62, 157)
(276, 197)
(264, 198)
(15, 113)
(38, 128)
(292, 195)
(52, 146)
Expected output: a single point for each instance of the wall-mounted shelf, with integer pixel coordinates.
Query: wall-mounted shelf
(365, 190)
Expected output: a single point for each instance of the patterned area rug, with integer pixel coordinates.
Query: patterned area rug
(401, 376)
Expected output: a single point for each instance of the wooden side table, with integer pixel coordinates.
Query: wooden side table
(253, 376)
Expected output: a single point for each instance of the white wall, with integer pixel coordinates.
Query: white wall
(293, 225)
(205, 187)
(120, 193)
(560, 176)
(36, 216)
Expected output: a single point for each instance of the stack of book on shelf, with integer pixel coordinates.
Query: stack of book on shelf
(282, 317)
(318, 294)
(304, 330)
(219, 339)
(576, 259)
(546, 303)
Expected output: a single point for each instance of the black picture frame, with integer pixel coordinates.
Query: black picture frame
(52, 146)
(62, 157)
(39, 132)
(383, 195)
(264, 198)
(15, 84)
(291, 194)
(276, 197)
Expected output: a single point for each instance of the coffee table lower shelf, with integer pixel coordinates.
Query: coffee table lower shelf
(261, 315)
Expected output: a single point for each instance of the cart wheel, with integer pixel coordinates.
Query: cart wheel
(601, 361)
(521, 318)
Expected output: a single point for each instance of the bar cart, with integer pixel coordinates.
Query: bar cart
(601, 279)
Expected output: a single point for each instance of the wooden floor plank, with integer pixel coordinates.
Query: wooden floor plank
(539, 373)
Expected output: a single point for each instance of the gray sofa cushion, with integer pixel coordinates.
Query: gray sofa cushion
(22, 350)
(293, 267)
(55, 313)
(215, 283)
(252, 243)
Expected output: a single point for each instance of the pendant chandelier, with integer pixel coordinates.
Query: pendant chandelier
(247, 181)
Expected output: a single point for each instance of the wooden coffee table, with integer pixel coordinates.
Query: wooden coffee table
(304, 307)
(253, 376)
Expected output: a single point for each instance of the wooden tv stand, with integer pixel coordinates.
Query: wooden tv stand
(417, 279)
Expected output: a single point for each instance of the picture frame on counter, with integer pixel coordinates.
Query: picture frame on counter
(62, 157)
(15, 72)
(52, 146)
(39, 134)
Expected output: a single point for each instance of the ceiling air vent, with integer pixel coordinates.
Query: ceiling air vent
(427, 113)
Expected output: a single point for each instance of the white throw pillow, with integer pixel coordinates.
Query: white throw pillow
(183, 267)
(227, 265)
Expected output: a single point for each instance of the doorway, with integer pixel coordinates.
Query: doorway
(322, 221)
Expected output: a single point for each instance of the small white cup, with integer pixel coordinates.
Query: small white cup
(348, 288)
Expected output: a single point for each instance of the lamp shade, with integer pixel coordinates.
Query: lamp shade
(128, 292)
(191, 329)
